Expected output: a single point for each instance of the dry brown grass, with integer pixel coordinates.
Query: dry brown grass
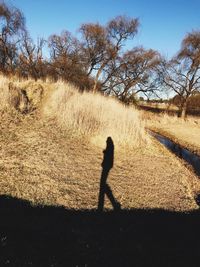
(44, 160)
(4, 94)
(95, 116)
(85, 114)
(47, 166)
(161, 106)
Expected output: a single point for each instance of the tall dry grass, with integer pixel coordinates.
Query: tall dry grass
(4, 94)
(91, 115)
(10, 92)
(95, 116)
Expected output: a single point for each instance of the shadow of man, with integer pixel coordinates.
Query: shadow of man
(107, 164)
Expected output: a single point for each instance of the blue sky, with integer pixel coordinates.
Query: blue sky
(163, 23)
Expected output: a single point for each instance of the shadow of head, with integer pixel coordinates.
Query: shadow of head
(109, 142)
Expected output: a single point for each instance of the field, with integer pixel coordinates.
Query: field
(53, 154)
(51, 149)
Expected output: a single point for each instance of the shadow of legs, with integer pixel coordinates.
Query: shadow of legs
(104, 176)
(116, 205)
(105, 189)
(101, 200)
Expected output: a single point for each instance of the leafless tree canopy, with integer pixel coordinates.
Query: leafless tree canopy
(120, 29)
(102, 45)
(94, 46)
(11, 22)
(98, 61)
(132, 73)
(30, 57)
(182, 73)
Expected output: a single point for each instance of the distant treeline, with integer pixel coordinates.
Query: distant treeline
(98, 60)
(193, 102)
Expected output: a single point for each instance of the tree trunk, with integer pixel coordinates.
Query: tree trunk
(184, 109)
(97, 76)
(96, 82)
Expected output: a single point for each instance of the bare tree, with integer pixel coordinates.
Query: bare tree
(120, 29)
(103, 44)
(94, 46)
(66, 60)
(132, 73)
(11, 22)
(31, 57)
(182, 73)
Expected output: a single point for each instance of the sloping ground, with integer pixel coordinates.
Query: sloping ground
(185, 133)
(44, 164)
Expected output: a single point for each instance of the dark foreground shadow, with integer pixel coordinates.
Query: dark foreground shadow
(54, 236)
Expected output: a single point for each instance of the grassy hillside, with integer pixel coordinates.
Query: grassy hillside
(52, 138)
